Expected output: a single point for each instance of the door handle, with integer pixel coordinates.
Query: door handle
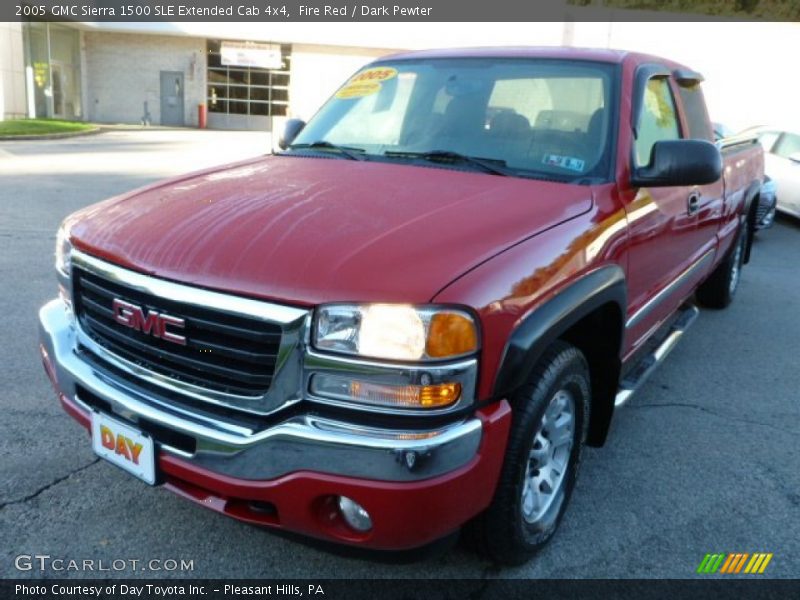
(693, 203)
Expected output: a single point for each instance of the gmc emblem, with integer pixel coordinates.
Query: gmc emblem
(151, 323)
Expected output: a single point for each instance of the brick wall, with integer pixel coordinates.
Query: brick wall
(122, 71)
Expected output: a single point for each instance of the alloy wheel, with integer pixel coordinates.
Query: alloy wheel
(547, 465)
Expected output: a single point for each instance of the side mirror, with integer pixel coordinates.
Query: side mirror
(290, 131)
(680, 162)
(795, 157)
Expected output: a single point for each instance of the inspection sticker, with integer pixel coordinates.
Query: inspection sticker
(366, 82)
(564, 162)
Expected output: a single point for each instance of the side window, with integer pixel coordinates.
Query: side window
(788, 145)
(694, 105)
(658, 121)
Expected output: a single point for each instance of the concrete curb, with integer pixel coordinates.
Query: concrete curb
(51, 136)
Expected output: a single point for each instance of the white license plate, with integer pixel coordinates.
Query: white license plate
(124, 446)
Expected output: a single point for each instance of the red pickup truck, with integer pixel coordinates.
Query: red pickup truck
(414, 315)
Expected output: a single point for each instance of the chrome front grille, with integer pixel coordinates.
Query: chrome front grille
(231, 351)
(222, 352)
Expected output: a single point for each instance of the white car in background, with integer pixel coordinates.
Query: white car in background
(782, 164)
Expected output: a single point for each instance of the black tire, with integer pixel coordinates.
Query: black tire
(720, 288)
(502, 532)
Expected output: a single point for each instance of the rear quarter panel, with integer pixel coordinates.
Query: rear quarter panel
(743, 174)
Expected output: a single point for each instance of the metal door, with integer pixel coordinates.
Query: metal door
(172, 98)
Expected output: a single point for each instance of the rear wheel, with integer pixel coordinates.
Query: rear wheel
(548, 428)
(720, 288)
(769, 219)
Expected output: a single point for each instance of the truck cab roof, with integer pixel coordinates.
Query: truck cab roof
(607, 55)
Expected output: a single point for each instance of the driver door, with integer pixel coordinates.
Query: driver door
(669, 246)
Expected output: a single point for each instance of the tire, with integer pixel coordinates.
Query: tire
(514, 527)
(720, 288)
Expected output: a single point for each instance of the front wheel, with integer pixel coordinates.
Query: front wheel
(719, 289)
(548, 428)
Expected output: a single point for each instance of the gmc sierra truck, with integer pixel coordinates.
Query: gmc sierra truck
(414, 315)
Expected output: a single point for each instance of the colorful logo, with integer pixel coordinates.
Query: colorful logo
(733, 563)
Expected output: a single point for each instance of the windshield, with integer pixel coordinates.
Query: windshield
(550, 118)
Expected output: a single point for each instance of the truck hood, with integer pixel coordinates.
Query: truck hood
(305, 230)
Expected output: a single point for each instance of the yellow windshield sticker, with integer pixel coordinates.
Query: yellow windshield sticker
(358, 90)
(366, 82)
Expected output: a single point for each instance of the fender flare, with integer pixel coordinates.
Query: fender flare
(552, 319)
(750, 194)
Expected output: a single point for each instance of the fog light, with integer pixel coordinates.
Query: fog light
(354, 514)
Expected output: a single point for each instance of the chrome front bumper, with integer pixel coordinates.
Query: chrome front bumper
(299, 443)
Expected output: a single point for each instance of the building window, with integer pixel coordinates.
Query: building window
(53, 73)
(245, 89)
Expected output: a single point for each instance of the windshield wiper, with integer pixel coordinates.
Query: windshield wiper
(349, 151)
(494, 166)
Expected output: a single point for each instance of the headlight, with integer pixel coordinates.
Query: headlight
(395, 331)
(63, 251)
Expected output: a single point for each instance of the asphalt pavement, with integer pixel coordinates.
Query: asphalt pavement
(705, 458)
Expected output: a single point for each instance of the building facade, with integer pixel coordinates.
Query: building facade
(12, 72)
(144, 75)
(249, 74)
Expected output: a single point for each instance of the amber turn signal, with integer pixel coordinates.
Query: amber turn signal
(336, 387)
(451, 334)
(410, 396)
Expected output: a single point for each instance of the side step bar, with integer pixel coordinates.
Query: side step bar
(644, 368)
